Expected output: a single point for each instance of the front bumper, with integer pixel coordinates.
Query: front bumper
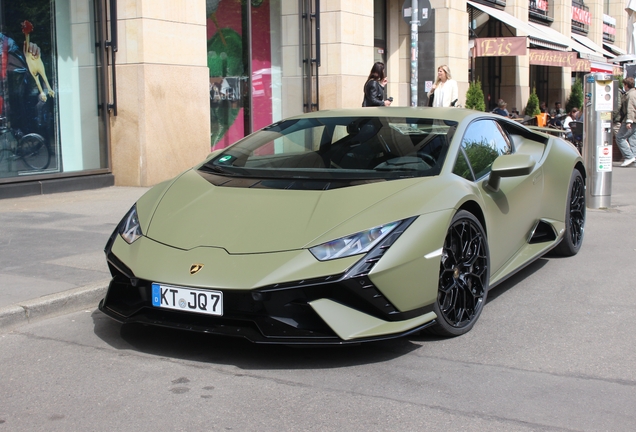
(338, 309)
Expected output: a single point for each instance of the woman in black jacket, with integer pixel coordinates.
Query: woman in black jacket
(374, 87)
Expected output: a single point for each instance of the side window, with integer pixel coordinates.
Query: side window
(461, 167)
(484, 142)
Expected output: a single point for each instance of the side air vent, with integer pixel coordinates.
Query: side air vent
(542, 232)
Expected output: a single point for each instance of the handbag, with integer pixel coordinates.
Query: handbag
(430, 99)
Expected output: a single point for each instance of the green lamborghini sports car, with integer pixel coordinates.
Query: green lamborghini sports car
(347, 226)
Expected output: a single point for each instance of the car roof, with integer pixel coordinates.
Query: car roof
(455, 114)
(462, 116)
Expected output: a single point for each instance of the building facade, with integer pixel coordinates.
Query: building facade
(133, 92)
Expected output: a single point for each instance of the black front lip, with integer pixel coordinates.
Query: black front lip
(242, 329)
(277, 314)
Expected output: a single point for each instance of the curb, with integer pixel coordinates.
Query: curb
(52, 305)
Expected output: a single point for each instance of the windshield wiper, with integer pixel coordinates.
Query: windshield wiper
(215, 168)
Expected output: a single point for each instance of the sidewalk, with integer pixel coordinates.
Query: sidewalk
(51, 246)
(51, 251)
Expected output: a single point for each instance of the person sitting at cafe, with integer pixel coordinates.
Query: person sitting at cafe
(501, 108)
(557, 110)
(557, 113)
(572, 116)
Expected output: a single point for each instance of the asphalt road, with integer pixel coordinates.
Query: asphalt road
(553, 350)
(527, 366)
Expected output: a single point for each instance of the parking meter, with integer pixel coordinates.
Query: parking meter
(600, 91)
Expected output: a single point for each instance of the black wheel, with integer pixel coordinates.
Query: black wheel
(463, 277)
(34, 151)
(574, 218)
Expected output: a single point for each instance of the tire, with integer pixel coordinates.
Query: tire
(464, 276)
(34, 151)
(574, 218)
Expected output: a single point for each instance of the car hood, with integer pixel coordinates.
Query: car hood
(194, 213)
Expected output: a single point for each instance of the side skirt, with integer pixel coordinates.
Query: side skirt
(544, 236)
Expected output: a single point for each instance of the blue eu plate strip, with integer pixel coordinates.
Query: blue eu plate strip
(156, 295)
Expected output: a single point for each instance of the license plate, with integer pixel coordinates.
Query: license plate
(187, 299)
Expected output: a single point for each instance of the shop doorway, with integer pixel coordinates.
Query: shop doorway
(244, 62)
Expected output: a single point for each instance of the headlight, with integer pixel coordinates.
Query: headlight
(354, 244)
(129, 228)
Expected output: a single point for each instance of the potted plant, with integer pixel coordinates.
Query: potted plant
(532, 107)
(576, 96)
(475, 97)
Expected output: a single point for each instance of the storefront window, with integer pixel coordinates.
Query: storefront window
(49, 120)
(266, 60)
(82, 139)
(540, 10)
(379, 31)
(581, 17)
(244, 60)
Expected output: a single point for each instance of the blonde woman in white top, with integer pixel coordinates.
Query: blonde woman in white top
(444, 91)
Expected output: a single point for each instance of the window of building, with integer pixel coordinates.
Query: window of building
(581, 17)
(379, 30)
(245, 66)
(49, 117)
(541, 11)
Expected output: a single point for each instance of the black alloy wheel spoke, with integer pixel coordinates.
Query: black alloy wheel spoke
(577, 211)
(447, 284)
(463, 273)
(475, 249)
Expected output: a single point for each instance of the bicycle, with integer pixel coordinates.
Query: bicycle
(30, 148)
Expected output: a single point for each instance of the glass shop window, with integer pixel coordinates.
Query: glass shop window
(49, 121)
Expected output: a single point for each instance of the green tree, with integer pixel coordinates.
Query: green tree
(532, 108)
(576, 96)
(481, 156)
(475, 97)
(619, 78)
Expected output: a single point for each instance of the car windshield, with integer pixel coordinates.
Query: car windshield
(339, 148)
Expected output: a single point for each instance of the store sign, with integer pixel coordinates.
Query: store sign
(609, 27)
(559, 59)
(500, 47)
(607, 68)
(420, 16)
(581, 16)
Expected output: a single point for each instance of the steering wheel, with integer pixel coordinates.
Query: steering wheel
(427, 158)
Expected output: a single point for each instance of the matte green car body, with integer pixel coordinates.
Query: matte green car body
(252, 238)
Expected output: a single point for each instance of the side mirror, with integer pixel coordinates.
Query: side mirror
(513, 165)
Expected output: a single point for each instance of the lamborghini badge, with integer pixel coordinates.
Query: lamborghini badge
(194, 268)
